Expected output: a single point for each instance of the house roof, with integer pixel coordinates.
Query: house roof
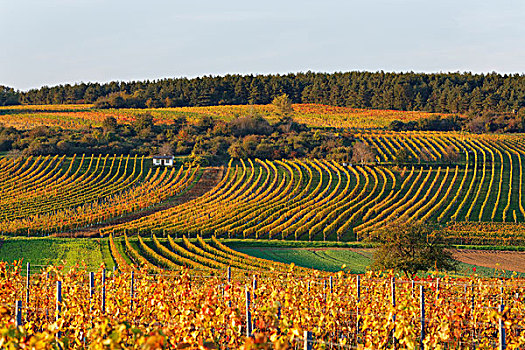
(163, 157)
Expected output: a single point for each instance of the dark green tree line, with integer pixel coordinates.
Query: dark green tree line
(8, 96)
(440, 92)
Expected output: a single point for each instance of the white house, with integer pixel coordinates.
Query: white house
(163, 160)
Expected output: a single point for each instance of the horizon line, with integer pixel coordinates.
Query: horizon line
(219, 75)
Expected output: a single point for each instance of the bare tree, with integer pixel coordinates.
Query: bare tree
(362, 153)
(166, 149)
(450, 155)
(477, 125)
(425, 155)
(14, 153)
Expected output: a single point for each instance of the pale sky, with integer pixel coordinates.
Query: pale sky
(50, 42)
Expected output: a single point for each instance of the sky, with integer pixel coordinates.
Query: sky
(51, 42)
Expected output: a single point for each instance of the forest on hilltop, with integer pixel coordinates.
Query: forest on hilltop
(439, 92)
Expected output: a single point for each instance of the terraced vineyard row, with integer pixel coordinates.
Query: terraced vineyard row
(211, 256)
(43, 195)
(325, 200)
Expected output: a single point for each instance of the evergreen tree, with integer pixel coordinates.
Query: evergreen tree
(8, 96)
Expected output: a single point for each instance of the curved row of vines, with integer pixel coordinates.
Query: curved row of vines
(327, 200)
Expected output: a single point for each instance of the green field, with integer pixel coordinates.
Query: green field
(326, 259)
(355, 262)
(57, 251)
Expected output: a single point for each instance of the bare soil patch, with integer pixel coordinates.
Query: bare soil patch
(506, 260)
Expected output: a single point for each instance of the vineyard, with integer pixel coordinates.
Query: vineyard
(44, 195)
(480, 197)
(248, 309)
(200, 256)
(478, 194)
(81, 116)
(176, 282)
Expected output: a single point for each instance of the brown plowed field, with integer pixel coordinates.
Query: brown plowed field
(506, 260)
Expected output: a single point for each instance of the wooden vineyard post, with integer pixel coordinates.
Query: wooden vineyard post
(502, 343)
(393, 292)
(308, 340)
(248, 314)
(103, 296)
(502, 340)
(331, 285)
(59, 303)
(254, 286)
(18, 313)
(28, 276)
(422, 316)
(132, 291)
(358, 287)
(91, 289)
(58, 299)
(472, 313)
(91, 285)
